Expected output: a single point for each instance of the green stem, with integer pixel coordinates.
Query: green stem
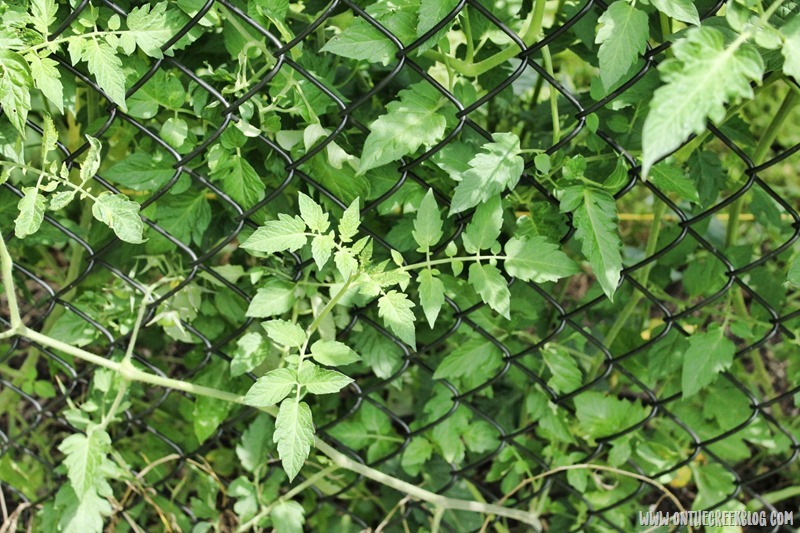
(774, 497)
(468, 33)
(6, 267)
(548, 66)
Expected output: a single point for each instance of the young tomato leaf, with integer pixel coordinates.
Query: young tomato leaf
(285, 332)
(84, 456)
(106, 68)
(484, 229)
(121, 215)
(709, 354)
(409, 123)
(600, 415)
(361, 41)
(623, 38)
(151, 28)
(427, 224)
(251, 350)
(595, 219)
(395, 310)
(566, 376)
(333, 353)
(431, 294)
(791, 48)
(683, 10)
(48, 79)
(15, 83)
(288, 517)
(31, 213)
(273, 299)
(490, 284)
(320, 380)
(670, 178)
(348, 224)
(43, 15)
(496, 168)
(254, 447)
(271, 388)
(294, 435)
(312, 214)
(285, 234)
(535, 259)
(704, 75)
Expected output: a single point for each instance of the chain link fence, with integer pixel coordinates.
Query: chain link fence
(749, 442)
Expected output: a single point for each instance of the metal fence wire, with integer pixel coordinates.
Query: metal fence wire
(742, 436)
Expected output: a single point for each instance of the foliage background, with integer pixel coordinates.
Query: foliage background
(214, 116)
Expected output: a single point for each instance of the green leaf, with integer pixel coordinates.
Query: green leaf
(701, 78)
(209, 413)
(312, 214)
(683, 10)
(345, 263)
(84, 456)
(535, 259)
(791, 48)
(15, 84)
(622, 38)
(427, 224)
(294, 435)
(333, 353)
(497, 167)
(322, 381)
(254, 448)
(60, 200)
(431, 13)
(596, 222)
(410, 122)
(121, 215)
(288, 517)
(49, 137)
(709, 354)
(600, 415)
(285, 234)
(48, 79)
(670, 178)
(566, 374)
(477, 356)
(431, 294)
(271, 388)
(31, 213)
(150, 28)
(240, 181)
(350, 221)
(43, 15)
(141, 171)
(793, 276)
(251, 350)
(416, 455)
(395, 309)
(484, 229)
(322, 248)
(107, 69)
(273, 299)
(185, 216)
(490, 284)
(361, 41)
(174, 131)
(285, 332)
(92, 160)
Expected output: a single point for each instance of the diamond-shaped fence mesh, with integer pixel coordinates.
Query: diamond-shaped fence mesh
(186, 112)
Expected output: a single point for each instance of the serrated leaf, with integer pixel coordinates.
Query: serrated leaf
(92, 160)
(484, 229)
(285, 234)
(427, 224)
(431, 13)
(322, 248)
(333, 353)
(595, 220)
(670, 178)
(271, 388)
(701, 78)
(361, 41)
(496, 168)
(15, 84)
(185, 216)
(476, 356)
(566, 376)
(49, 137)
(31, 213)
(107, 69)
(348, 224)
(345, 263)
(43, 15)
(294, 435)
(285, 332)
(708, 354)
(254, 447)
(48, 79)
(431, 295)
(84, 456)
(319, 380)
(273, 299)
(121, 215)
(241, 181)
(251, 350)
(791, 48)
(410, 122)
(141, 171)
(683, 10)
(60, 200)
(492, 287)
(395, 310)
(535, 259)
(150, 28)
(312, 214)
(600, 415)
(622, 38)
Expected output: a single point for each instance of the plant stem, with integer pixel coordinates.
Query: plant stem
(548, 66)
(6, 266)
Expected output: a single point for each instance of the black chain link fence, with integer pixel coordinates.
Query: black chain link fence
(26, 444)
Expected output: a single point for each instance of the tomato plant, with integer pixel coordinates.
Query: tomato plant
(400, 265)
